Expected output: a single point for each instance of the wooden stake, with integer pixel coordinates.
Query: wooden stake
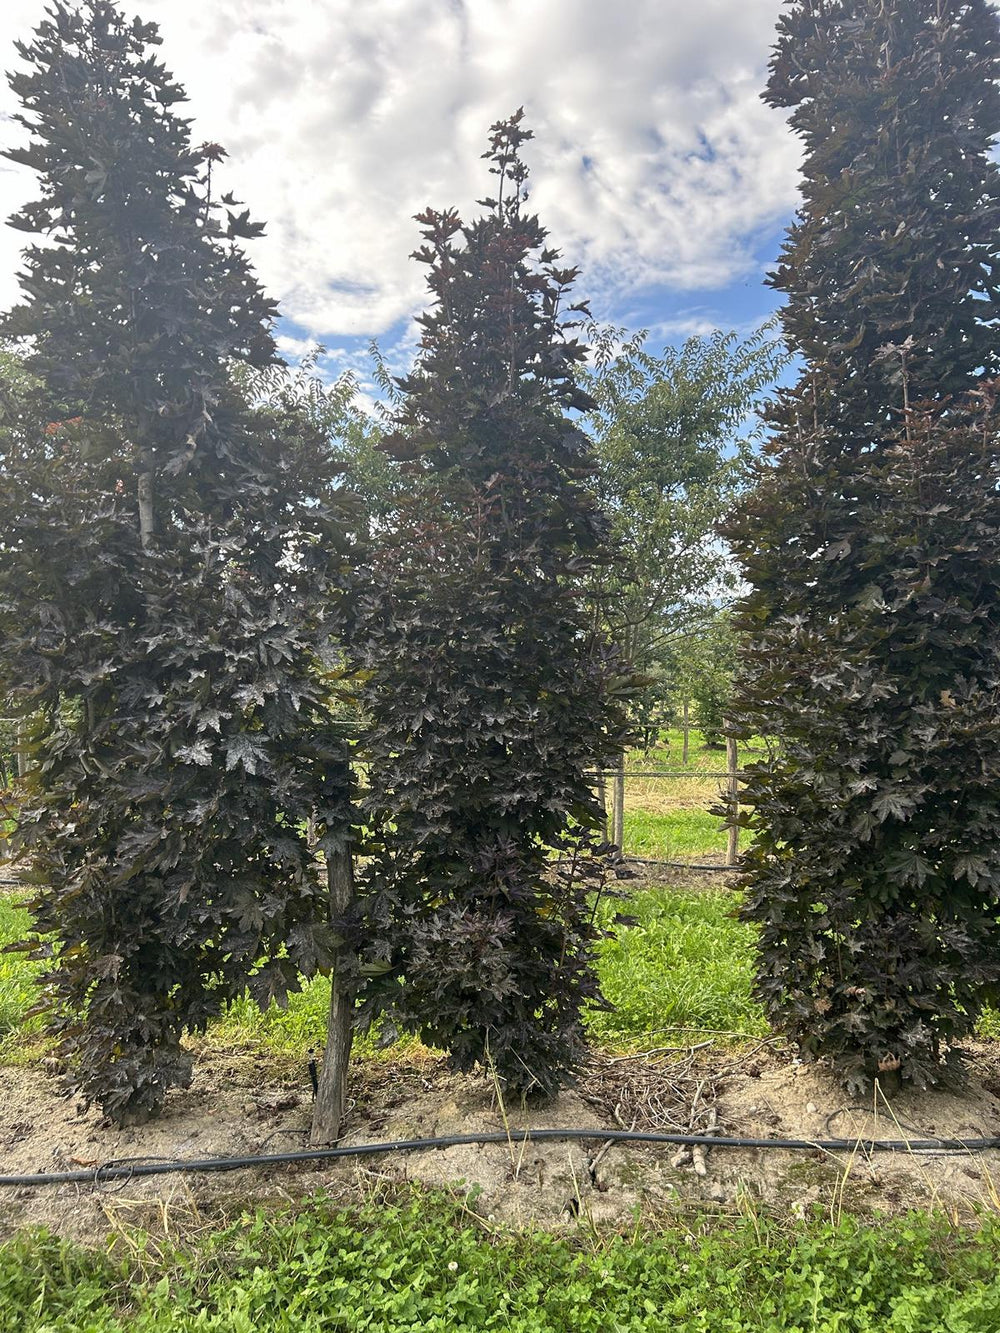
(146, 522)
(602, 801)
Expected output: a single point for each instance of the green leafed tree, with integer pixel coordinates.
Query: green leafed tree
(703, 670)
(871, 544)
(357, 464)
(165, 549)
(489, 693)
(672, 433)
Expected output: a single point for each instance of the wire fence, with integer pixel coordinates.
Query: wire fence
(677, 816)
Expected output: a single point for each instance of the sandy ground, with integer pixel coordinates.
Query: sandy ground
(237, 1106)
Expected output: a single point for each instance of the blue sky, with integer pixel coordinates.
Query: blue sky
(655, 166)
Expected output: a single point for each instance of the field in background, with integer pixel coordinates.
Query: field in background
(669, 818)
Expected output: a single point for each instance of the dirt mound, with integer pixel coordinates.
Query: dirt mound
(235, 1109)
(784, 1098)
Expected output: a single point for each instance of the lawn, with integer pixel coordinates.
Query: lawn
(685, 962)
(680, 959)
(683, 835)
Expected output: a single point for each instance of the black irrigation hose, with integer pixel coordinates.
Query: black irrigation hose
(130, 1170)
(679, 865)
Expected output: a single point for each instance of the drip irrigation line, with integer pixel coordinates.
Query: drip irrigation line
(128, 1170)
(678, 865)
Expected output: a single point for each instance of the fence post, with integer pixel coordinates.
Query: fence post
(687, 735)
(602, 801)
(733, 801)
(618, 806)
(20, 747)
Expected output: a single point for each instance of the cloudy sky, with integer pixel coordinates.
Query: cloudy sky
(655, 166)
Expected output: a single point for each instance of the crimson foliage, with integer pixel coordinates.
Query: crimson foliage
(871, 544)
(489, 694)
(181, 737)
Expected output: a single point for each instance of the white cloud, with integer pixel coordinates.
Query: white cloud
(687, 326)
(654, 161)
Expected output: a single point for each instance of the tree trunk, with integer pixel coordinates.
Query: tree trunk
(146, 509)
(328, 1114)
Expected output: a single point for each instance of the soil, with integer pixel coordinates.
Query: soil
(784, 1098)
(237, 1107)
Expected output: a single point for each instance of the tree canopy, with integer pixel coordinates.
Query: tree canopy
(673, 435)
(171, 556)
(870, 545)
(490, 694)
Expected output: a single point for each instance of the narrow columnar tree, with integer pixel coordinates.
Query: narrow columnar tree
(871, 545)
(489, 695)
(165, 549)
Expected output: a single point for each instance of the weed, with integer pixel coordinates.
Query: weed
(420, 1262)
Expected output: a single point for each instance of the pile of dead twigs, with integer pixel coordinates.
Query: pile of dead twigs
(672, 1089)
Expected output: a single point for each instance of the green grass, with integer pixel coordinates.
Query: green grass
(687, 962)
(420, 1264)
(285, 1033)
(668, 818)
(988, 1027)
(669, 751)
(676, 835)
(18, 992)
(291, 1032)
